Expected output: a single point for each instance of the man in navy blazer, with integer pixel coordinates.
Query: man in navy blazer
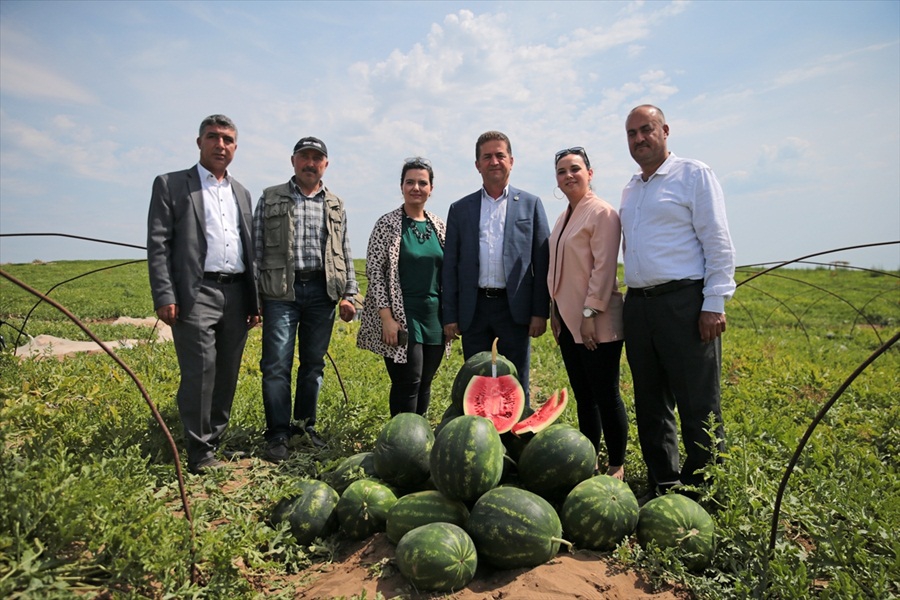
(200, 261)
(496, 258)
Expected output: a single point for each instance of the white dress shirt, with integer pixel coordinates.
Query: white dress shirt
(674, 227)
(223, 230)
(492, 225)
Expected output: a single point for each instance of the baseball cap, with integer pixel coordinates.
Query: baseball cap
(311, 142)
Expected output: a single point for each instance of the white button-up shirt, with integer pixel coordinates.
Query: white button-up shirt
(490, 240)
(674, 227)
(223, 229)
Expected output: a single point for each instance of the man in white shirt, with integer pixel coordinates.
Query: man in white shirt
(200, 261)
(679, 269)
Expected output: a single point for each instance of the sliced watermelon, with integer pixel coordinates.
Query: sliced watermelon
(545, 416)
(499, 399)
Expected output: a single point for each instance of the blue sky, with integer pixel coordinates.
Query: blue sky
(795, 106)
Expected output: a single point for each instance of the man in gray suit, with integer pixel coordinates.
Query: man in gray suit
(200, 259)
(496, 258)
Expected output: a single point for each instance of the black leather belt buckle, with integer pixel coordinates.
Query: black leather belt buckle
(223, 277)
(492, 292)
(307, 275)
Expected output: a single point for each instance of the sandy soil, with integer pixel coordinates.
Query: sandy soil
(367, 567)
(48, 345)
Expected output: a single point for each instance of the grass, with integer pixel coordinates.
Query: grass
(91, 504)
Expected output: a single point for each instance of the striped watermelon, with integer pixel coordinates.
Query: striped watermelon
(421, 508)
(513, 528)
(467, 458)
(676, 521)
(363, 508)
(358, 466)
(311, 511)
(481, 363)
(555, 461)
(437, 556)
(599, 513)
(402, 450)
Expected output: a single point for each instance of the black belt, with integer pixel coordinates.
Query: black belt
(492, 292)
(308, 275)
(663, 288)
(223, 277)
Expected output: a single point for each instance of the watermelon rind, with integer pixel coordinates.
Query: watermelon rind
(676, 521)
(437, 557)
(500, 399)
(513, 528)
(599, 513)
(310, 512)
(467, 458)
(545, 416)
(357, 466)
(422, 508)
(402, 450)
(363, 508)
(477, 364)
(555, 461)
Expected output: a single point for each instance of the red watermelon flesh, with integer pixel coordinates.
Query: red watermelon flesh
(545, 416)
(499, 399)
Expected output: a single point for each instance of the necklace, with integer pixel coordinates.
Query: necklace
(422, 236)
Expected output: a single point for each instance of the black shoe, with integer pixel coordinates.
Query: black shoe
(648, 496)
(204, 466)
(277, 450)
(314, 438)
(235, 453)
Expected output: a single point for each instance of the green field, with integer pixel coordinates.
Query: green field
(90, 501)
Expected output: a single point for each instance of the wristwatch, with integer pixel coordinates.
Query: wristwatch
(587, 313)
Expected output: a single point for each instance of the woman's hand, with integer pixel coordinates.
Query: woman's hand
(389, 329)
(587, 333)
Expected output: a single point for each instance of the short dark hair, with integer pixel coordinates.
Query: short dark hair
(220, 121)
(417, 162)
(490, 136)
(662, 117)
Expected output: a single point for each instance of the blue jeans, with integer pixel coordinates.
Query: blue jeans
(310, 319)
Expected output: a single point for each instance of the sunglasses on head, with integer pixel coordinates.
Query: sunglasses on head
(579, 150)
(417, 161)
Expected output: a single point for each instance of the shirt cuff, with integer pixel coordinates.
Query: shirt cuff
(714, 304)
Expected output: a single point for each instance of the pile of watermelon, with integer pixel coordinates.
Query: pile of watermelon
(486, 489)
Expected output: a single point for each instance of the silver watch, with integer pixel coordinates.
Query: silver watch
(587, 313)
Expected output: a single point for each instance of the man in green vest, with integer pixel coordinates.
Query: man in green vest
(305, 271)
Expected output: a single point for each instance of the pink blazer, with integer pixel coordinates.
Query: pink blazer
(583, 261)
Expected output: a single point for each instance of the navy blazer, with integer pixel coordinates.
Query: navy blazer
(526, 259)
(176, 242)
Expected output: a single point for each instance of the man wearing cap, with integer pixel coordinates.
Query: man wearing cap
(305, 270)
(200, 261)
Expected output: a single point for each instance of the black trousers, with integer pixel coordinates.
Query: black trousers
(673, 368)
(411, 381)
(594, 377)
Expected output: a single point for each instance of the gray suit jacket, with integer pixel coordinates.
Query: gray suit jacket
(176, 243)
(526, 258)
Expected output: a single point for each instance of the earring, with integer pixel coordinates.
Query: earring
(554, 193)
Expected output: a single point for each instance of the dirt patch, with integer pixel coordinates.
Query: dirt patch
(51, 346)
(367, 567)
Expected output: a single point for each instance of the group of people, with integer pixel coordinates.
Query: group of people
(494, 269)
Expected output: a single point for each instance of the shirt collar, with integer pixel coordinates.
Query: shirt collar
(503, 196)
(663, 169)
(296, 189)
(205, 174)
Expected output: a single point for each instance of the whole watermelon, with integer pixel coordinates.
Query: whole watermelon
(421, 508)
(402, 450)
(358, 466)
(555, 461)
(467, 458)
(513, 528)
(477, 364)
(437, 556)
(599, 513)
(676, 521)
(363, 508)
(311, 511)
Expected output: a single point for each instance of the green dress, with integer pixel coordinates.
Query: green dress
(421, 257)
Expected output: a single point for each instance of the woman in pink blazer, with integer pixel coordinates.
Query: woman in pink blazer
(586, 315)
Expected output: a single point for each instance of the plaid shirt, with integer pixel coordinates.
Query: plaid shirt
(310, 235)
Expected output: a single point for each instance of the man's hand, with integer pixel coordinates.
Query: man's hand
(555, 327)
(451, 331)
(347, 310)
(252, 321)
(537, 327)
(168, 313)
(712, 325)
